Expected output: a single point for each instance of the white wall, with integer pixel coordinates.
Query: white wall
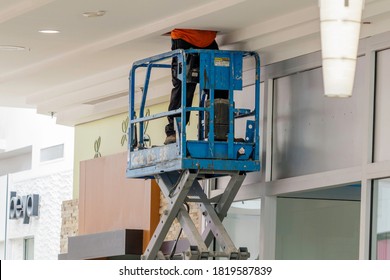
(52, 189)
(24, 127)
(317, 229)
(3, 184)
(52, 180)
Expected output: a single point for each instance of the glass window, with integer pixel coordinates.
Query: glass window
(311, 133)
(382, 112)
(243, 225)
(318, 225)
(15, 160)
(381, 220)
(29, 248)
(52, 153)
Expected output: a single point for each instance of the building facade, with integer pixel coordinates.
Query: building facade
(36, 177)
(325, 160)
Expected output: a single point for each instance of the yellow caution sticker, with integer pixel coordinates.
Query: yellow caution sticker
(222, 61)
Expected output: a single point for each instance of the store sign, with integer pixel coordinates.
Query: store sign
(23, 207)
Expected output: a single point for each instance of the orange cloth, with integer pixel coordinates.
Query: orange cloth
(199, 38)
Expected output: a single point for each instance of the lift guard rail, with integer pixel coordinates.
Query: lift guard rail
(218, 70)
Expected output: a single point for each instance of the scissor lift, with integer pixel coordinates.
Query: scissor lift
(177, 167)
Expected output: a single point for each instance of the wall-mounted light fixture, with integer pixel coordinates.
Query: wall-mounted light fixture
(340, 29)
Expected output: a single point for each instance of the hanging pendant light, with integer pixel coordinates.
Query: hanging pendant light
(340, 29)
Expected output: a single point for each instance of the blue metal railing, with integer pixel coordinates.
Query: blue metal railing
(206, 82)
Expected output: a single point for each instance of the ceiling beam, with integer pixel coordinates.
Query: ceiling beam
(72, 86)
(21, 8)
(98, 91)
(274, 25)
(158, 27)
(86, 113)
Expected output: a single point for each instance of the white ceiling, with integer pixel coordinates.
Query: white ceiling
(81, 73)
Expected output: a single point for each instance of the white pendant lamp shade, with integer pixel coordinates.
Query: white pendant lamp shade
(340, 29)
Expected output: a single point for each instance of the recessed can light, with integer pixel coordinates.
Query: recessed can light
(94, 14)
(12, 48)
(49, 31)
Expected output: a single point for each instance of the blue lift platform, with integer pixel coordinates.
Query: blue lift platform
(178, 167)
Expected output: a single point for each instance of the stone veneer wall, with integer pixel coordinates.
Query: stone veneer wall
(52, 189)
(70, 220)
(195, 215)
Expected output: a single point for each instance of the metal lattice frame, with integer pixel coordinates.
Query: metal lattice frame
(179, 188)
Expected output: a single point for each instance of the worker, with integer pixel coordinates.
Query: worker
(187, 39)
